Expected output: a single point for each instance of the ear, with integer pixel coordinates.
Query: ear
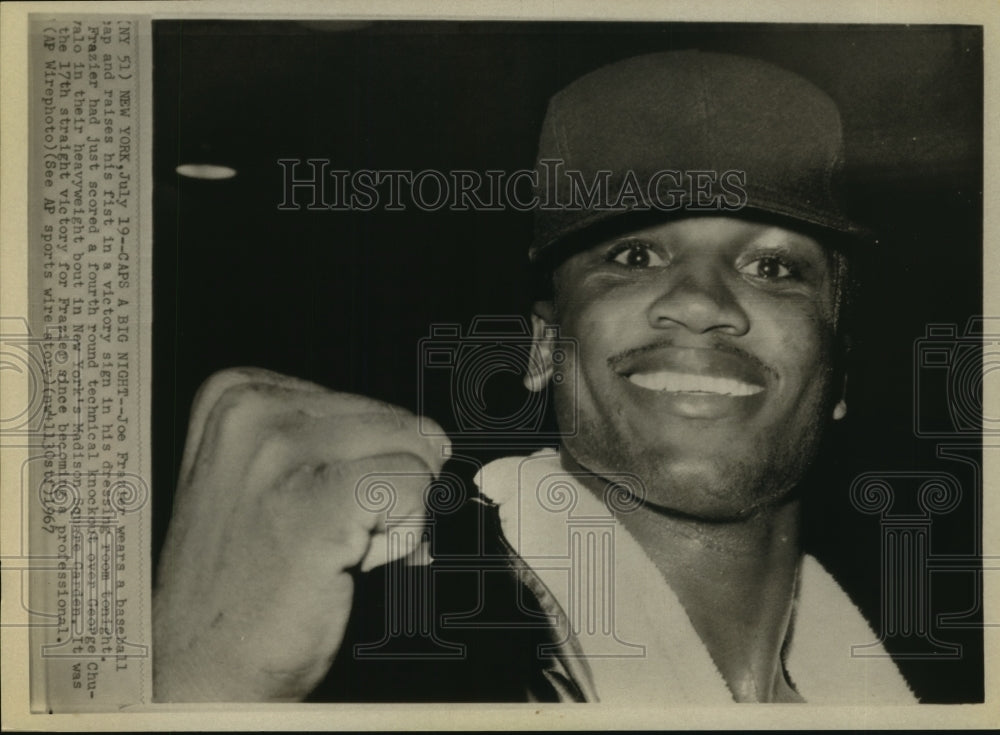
(543, 333)
(840, 409)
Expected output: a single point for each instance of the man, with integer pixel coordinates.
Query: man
(703, 309)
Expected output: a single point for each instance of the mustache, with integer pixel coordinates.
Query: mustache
(668, 342)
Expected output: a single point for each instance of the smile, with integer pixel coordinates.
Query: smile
(669, 381)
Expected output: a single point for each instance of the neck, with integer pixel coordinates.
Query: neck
(736, 581)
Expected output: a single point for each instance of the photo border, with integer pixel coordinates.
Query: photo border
(14, 302)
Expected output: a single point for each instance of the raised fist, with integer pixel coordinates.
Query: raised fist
(254, 586)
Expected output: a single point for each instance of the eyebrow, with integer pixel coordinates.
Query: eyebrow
(785, 236)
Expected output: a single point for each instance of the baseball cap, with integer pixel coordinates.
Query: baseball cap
(688, 132)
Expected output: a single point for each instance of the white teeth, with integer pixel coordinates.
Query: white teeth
(671, 382)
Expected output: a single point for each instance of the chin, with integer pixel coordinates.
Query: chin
(705, 488)
(711, 492)
(711, 498)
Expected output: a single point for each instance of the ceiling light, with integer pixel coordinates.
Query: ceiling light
(206, 171)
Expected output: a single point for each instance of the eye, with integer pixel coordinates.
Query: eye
(768, 267)
(636, 254)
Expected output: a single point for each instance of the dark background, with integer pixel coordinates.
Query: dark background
(343, 298)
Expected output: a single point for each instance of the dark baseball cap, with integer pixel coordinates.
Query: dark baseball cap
(682, 133)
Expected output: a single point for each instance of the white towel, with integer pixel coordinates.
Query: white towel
(635, 634)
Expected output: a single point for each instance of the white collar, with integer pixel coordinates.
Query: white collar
(634, 633)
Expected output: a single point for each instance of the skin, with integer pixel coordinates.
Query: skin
(738, 301)
(255, 583)
(267, 501)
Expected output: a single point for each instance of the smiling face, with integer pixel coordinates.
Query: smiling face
(704, 360)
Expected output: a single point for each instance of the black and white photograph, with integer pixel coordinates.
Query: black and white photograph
(659, 293)
(473, 361)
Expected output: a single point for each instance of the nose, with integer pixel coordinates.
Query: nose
(699, 299)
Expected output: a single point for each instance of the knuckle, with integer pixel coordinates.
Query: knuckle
(429, 426)
(360, 480)
(275, 446)
(402, 416)
(400, 472)
(400, 461)
(374, 410)
(277, 504)
(216, 384)
(243, 404)
(341, 477)
(225, 381)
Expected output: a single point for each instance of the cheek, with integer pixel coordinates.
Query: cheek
(600, 328)
(800, 345)
(595, 328)
(584, 320)
(583, 372)
(602, 315)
